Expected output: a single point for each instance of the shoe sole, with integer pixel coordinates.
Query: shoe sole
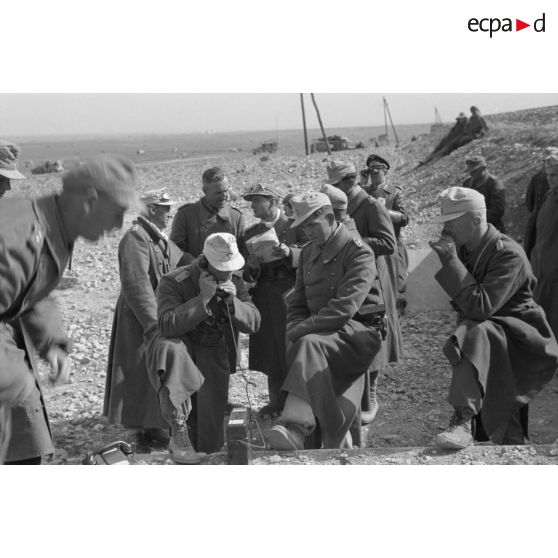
(369, 416)
(446, 444)
(279, 440)
(194, 461)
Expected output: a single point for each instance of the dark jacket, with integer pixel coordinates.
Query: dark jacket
(534, 198)
(33, 255)
(194, 222)
(501, 330)
(494, 194)
(144, 256)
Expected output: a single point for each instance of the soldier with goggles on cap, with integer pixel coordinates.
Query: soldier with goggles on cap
(199, 305)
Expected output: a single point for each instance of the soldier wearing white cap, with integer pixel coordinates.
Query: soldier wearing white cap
(9, 155)
(502, 351)
(376, 229)
(332, 330)
(36, 240)
(543, 256)
(145, 254)
(198, 307)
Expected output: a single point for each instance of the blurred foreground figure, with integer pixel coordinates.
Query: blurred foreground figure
(9, 154)
(36, 241)
(144, 255)
(502, 351)
(274, 272)
(544, 256)
(332, 330)
(198, 307)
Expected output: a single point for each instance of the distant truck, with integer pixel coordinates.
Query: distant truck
(48, 167)
(336, 143)
(269, 146)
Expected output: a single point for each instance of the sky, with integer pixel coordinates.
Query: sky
(38, 114)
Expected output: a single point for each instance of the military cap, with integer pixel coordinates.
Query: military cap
(156, 197)
(457, 201)
(338, 170)
(111, 176)
(551, 161)
(305, 205)
(287, 199)
(337, 197)
(475, 162)
(9, 155)
(461, 116)
(376, 162)
(260, 190)
(222, 253)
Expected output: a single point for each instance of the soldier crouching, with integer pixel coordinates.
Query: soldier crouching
(188, 361)
(332, 333)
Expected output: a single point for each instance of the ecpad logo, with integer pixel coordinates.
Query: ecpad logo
(492, 25)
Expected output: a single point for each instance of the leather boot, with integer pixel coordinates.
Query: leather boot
(180, 446)
(458, 435)
(369, 412)
(287, 438)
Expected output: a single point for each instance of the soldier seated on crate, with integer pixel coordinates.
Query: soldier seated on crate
(502, 351)
(333, 323)
(199, 305)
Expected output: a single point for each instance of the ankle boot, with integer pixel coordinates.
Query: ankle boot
(180, 446)
(369, 412)
(458, 435)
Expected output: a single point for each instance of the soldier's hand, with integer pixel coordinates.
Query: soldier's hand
(281, 251)
(230, 290)
(60, 365)
(208, 286)
(445, 248)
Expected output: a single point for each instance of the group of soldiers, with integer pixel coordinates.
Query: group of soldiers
(321, 307)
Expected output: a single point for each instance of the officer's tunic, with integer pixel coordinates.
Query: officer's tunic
(393, 201)
(544, 259)
(328, 351)
(501, 330)
(33, 255)
(194, 222)
(374, 225)
(494, 194)
(144, 255)
(192, 353)
(267, 346)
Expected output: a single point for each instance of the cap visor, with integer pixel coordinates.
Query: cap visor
(299, 220)
(446, 218)
(234, 264)
(12, 174)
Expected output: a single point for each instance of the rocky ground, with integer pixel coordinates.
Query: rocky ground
(412, 406)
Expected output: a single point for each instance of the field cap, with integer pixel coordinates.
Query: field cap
(260, 190)
(461, 116)
(156, 197)
(111, 176)
(551, 161)
(338, 170)
(9, 155)
(222, 253)
(305, 205)
(337, 198)
(475, 162)
(457, 201)
(376, 162)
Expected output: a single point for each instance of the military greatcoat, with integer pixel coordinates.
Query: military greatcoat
(191, 354)
(501, 330)
(544, 260)
(534, 198)
(144, 256)
(267, 350)
(374, 225)
(34, 252)
(328, 350)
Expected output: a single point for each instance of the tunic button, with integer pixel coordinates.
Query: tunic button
(331, 288)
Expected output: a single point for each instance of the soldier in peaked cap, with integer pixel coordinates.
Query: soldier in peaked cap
(375, 181)
(145, 254)
(36, 240)
(502, 351)
(375, 227)
(490, 187)
(331, 333)
(272, 279)
(188, 362)
(9, 154)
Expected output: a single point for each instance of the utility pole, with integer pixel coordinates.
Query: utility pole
(304, 123)
(321, 125)
(386, 107)
(385, 122)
